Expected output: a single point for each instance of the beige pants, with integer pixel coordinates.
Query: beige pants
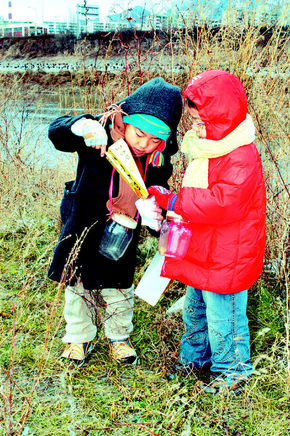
(78, 311)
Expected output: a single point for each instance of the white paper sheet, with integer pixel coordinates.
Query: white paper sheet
(152, 285)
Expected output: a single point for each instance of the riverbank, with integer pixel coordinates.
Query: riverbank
(50, 73)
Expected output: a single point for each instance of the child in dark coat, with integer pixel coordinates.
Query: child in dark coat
(223, 199)
(147, 120)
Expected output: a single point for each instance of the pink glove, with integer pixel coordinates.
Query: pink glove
(164, 197)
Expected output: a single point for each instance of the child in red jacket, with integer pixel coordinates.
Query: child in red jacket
(223, 198)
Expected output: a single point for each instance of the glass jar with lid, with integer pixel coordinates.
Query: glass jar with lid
(175, 235)
(117, 236)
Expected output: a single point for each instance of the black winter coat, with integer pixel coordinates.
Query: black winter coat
(84, 214)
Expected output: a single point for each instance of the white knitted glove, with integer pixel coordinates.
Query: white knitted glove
(150, 213)
(93, 133)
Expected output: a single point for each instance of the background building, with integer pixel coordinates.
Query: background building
(57, 27)
(177, 14)
(87, 18)
(18, 29)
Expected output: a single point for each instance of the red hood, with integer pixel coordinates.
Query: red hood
(220, 99)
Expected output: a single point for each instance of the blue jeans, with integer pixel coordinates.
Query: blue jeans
(216, 332)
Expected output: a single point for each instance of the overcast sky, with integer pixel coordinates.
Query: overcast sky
(49, 9)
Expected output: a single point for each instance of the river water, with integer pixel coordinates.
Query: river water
(41, 118)
(24, 128)
(25, 124)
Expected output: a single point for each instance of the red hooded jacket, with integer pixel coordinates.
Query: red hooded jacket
(228, 218)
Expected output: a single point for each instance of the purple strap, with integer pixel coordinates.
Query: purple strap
(111, 192)
(111, 187)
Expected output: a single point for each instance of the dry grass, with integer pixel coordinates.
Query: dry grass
(42, 397)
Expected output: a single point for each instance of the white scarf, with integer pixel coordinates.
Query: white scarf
(199, 151)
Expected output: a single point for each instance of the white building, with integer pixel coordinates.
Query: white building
(158, 21)
(20, 29)
(57, 27)
(88, 18)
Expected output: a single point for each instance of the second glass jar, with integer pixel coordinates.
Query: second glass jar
(175, 235)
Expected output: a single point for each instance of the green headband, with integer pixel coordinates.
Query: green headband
(149, 124)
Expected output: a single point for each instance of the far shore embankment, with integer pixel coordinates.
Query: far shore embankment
(49, 71)
(48, 61)
(59, 69)
(73, 63)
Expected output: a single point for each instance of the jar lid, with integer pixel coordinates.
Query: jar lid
(124, 220)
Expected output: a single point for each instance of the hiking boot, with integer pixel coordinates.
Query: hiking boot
(221, 384)
(77, 353)
(123, 351)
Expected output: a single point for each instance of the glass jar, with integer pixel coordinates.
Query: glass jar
(117, 236)
(175, 235)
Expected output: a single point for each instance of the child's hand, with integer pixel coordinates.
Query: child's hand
(150, 213)
(95, 135)
(164, 197)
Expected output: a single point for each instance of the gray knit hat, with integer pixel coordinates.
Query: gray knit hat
(160, 99)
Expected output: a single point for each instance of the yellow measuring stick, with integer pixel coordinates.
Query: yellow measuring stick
(121, 159)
